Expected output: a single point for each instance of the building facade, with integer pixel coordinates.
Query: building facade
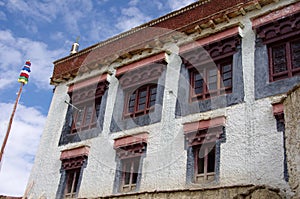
(188, 105)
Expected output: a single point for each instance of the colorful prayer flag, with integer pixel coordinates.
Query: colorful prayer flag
(24, 74)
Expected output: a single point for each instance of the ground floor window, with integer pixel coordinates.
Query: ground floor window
(130, 170)
(204, 162)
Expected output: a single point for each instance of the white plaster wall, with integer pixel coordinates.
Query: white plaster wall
(45, 172)
(252, 153)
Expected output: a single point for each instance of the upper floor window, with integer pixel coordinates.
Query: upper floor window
(210, 81)
(284, 59)
(140, 87)
(211, 68)
(140, 101)
(283, 44)
(86, 103)
(86, 115)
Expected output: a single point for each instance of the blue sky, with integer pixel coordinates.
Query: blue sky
(43, 31)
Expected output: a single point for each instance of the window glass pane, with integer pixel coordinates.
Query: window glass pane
(198, 83)
(197, 76)
(152, 100)
(212, 79)
(141, 107)
(131, 103)
(135, 171)
(143, 93)
(70, 176)
(295, 48)
(153, 90)
(200, 160)
(88, 115)
(79, 117)
(72, 180)
(227, 83)
(142, 100)
(227, 68)
(279, 59)
(199, 90)
(126, 172)
(211, 160)
(226, 75)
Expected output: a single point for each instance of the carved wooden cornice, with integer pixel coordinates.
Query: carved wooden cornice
(193, 18)
(74, 162)
(279, 29)
(211, 52)
(89, 92)
(142, 75)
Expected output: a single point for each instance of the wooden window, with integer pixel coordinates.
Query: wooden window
(130, 151)
(202, 138)
(73, 162)
(130, 168)
(86, 117)
(204, 162)
(284, 59)
(141, 101)
(210, 81)
(72, 179)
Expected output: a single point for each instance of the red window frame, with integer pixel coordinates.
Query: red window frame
(290, 57)
(130, 170)
(88, 113)
(204, 162)
(222, 77)
(72, 179)
(141, 101)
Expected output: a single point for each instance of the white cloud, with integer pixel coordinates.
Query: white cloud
(14, 52)
(131, 17)
(177, 4)
(2, 16)
(21, 147)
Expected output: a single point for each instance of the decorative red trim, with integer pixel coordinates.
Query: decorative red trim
(210, 39)
(273, 16)
(283, 28)
(87, 82)
(278, 108)
(278, 112)
(75, 152)
(139, 64)
(138, 77)
(131, 140)
(204, 124)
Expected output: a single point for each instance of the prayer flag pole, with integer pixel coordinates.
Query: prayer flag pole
(23, 79)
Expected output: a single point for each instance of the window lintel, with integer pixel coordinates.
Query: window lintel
(203, 124)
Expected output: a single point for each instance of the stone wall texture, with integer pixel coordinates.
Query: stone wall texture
(234, 192)
(292, 131)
